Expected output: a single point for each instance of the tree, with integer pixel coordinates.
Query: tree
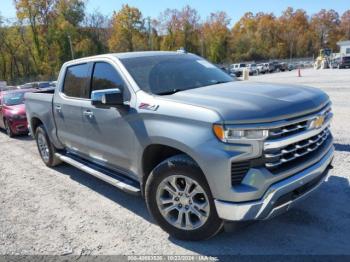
(128, 30)
(50, 22)
(243, 39)
(325, 26)
(345, 25)
(267, 36)
(294, 26)
(180, 29)
(34, 46)
(214, 37)
(37, 13)
(95, 28)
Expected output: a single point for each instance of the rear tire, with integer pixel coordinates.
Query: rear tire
(8, 129)
(46, 149)
(177, 184)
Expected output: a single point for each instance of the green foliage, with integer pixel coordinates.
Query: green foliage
(36, 45)
(127, 31)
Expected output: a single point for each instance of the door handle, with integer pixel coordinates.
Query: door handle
(58, 108)
(88, 113)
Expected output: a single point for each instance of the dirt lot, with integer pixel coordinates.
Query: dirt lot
(64, 211)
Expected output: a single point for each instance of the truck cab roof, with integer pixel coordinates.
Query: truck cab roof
(126, 55)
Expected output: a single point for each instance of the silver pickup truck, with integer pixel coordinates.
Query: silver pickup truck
(201, 148)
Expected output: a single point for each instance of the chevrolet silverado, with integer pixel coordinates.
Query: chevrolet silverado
(201, 148)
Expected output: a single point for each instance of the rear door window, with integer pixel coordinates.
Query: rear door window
(76, 82)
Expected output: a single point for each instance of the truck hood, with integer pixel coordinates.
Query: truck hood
(253, 102)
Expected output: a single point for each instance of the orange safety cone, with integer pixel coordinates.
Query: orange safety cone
(299, 72)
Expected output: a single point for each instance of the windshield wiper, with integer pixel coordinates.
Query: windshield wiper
(169, 92)
(220, 82)
(173, 91)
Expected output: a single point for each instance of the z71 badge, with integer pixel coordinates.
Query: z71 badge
(148, 107)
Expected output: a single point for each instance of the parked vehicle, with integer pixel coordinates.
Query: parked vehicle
(53, 83)
(341, 62)
(201, 148)
(270, 67)
(12, 112)
(6, 88)
(279, 67)
(224, 68)
(253, 70)
(39, 85)
(262, 69)
(237, 69)
(283, 66)
(291, 67)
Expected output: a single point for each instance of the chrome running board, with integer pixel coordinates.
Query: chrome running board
(110, 177)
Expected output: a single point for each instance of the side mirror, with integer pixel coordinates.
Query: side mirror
(107, 97)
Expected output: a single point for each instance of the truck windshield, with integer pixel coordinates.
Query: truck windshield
(13, 99)
(168, 74)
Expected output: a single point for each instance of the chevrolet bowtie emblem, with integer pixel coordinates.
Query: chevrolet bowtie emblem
(317, 122)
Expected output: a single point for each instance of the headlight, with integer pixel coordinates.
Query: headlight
(233, 134)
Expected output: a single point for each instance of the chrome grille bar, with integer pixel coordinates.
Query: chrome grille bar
(288, 129)
(294, 138)
(296, 150)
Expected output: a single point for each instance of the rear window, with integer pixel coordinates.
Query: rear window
(76, 82)
(13, 99)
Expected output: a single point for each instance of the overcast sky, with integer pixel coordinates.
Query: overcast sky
(235, 8)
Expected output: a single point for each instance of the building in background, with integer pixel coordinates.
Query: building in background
(344, 47)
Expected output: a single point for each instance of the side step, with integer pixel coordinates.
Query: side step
(117, 180)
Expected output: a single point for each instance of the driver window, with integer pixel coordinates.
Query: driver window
(106, 77)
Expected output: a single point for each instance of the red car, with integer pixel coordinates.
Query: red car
(13, 113)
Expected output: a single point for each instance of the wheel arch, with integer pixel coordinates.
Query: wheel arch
(154, 154)
(35, 122)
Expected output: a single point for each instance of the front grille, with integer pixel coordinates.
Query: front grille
(288, 130)
(275, 158)
(280, 154)
(238, 171)
(295, 127)
(289, 145)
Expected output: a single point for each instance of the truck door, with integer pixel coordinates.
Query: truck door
(67, 102)
(110, 137)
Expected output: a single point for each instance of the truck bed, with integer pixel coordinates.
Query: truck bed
(39, 105)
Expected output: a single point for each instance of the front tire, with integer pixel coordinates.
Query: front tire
(8, 129)
(46, 148)
(179, 199)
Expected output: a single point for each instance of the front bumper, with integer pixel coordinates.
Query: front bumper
(19, 126)
(280, 196)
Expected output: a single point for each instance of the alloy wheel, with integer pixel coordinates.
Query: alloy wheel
(183, 202)
(43, 147)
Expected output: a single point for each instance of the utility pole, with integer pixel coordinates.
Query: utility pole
(149, 34)
(71, 46)
(202, 44)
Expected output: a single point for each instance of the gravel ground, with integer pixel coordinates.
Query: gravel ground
(64, 211)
